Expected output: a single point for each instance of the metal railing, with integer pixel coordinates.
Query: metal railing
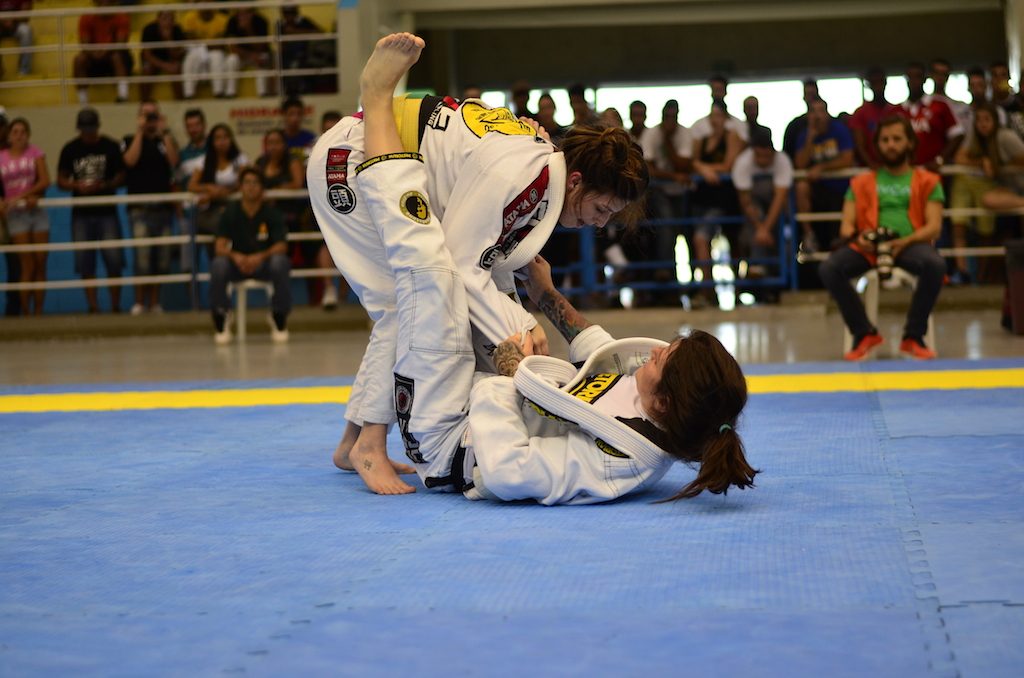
(587, 267)
(65, 46)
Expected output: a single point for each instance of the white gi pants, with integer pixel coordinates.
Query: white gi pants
(199, 60)
(339, 203)
(433, 374)
(232, 65)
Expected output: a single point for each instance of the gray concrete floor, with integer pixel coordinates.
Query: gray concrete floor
(179, 347)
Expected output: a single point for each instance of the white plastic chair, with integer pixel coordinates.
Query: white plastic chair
(870, 300)
(241, 307)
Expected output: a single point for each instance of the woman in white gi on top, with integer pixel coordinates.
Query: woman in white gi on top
(498, 190)
(550, 432)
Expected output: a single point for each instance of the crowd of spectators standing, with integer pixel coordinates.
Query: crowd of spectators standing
(719, 178)
(150, 160)
(230, 44)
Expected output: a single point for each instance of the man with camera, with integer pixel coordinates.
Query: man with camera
(892, 212)
(150, 155)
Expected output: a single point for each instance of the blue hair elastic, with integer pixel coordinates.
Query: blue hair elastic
(723, 427)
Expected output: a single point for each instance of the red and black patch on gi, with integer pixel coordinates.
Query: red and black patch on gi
(405, 391)
(523, 204)
(340, 197)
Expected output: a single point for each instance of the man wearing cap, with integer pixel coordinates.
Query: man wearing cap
(91, 165)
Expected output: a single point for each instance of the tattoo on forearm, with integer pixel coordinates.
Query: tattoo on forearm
(506, 358)
(367, 464)
(566, 319)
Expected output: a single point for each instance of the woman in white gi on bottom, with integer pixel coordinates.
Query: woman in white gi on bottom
(544, 430)
(498, 189)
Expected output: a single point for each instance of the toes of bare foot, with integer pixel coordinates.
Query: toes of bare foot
(402, 469)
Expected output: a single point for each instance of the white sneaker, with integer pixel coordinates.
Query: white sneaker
(277, 336)
(158, 309)
(224, 337)
(330, 299)
(138, 309)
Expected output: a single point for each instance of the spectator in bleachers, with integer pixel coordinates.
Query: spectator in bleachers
(281, 170)
(162, 60)
(905, 200)
(199, 59)
(938, 73)
(668, 150)
(103, 30)
(637, 120)
(999, 152)
(91, 165)
(150, 156)
(751, 109)
(20, 29)
(1014, 111)
(611, 117)
(702, 128)
(999, 79)
(865, 119)
(546, 118)
(938, 131)
(328, 120)
(217, 178)
(977, 87)
(825, 145)
(299, 139)
(246, 23)
(798, 125)
(762, 178)
(582, 112)
(713, 155)
(296, 54)
(192, 155)
(25, 180)
(472, 92)
(521, 99)
(13, 307)
(251, 243)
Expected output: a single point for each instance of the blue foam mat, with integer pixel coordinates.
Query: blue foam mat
(205, 542)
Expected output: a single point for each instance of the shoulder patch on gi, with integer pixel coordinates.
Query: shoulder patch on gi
(341, 198)
(414, 205)
(481, 120)
(593, 387)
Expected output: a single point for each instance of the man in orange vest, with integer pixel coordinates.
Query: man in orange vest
(907, 201)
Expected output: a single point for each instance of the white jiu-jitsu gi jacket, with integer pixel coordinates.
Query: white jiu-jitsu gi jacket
(498, 190)
(533, 439)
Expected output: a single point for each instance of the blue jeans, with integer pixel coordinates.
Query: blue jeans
(97, 227)
(918, 259)
(277, 270)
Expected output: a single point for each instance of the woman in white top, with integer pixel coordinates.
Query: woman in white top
(217, 178)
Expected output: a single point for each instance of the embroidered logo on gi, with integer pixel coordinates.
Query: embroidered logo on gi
(481, 120)
(609, 450)
(414, 206)
(405, 388)
(262, 233)
(592, 388)
(489, 256)
(341, 198)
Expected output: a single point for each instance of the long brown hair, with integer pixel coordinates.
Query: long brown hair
(986, 147)
(703, 390)
(610, 162)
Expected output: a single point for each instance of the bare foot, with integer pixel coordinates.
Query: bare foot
(393, 56)
(377, 471)
(343, 458)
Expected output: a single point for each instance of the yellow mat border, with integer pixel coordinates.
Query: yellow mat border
(943, 380)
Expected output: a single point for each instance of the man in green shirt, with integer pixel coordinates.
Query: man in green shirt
(251, 243)
(907, 201)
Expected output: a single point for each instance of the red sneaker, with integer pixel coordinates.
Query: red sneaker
(916, 349)
(866, 345)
